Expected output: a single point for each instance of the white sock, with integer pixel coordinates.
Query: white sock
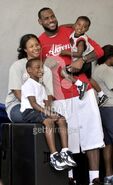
(109, 177)
(78, 83)
(51, 155)
(100, 94)
(70, 174)
(64, 149)
(93, 174)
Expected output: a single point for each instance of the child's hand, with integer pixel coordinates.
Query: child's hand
(52, 115)
(55, 116)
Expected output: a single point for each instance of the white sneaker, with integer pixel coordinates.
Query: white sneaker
(57, 162)
(68, 158)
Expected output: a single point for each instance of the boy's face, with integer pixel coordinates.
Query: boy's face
(81, 26)
(36, 70)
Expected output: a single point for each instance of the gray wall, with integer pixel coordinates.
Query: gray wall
(18, 17)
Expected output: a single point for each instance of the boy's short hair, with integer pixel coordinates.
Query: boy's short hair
(30, 61)
(84, 18)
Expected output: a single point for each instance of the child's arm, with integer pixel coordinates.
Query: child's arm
(46, 110)
(35, 105)
(81, 46)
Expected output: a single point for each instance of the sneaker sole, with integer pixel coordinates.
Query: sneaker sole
(59, 169)
(70, 164)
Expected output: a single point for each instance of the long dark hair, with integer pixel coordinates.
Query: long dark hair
(24, 39)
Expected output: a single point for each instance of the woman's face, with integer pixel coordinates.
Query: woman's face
(33, 48)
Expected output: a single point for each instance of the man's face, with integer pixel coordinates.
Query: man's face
(48, 21)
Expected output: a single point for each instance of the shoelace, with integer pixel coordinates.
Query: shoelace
(57, 157)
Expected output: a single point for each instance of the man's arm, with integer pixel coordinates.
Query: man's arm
(70, 25)
(97, 48)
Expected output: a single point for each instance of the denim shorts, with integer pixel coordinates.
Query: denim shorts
(16, 115)
(107, 122)
(33, 116)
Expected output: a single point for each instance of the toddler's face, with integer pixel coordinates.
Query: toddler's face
(81, 26)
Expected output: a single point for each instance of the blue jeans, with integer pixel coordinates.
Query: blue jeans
(107, 122)
(16, 115)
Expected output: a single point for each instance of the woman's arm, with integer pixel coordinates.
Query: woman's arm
(17, 94)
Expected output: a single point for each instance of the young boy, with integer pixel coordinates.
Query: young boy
(33, 100)
(79, 48)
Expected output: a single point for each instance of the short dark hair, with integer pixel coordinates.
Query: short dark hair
(41, 10)
(30, 62)
(108, 53)
(84, 18)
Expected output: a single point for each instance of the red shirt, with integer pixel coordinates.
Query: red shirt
(52, 46)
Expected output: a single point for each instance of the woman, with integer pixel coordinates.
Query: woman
(29, 48)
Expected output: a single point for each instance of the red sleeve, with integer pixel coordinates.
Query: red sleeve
(97, 49)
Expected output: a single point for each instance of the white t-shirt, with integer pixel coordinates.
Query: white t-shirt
(17, 76)
(32, 88)
(75, 40)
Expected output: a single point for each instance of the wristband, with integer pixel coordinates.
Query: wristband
(84, 58)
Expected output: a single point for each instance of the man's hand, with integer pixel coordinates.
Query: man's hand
(77, 65)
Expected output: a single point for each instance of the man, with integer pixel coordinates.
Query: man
(104, 76)
(81, 128)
